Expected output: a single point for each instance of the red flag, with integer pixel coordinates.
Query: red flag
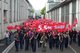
(9, 27)
(75, 22)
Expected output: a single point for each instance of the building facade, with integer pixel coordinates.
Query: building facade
(65, 11)
(13, 12)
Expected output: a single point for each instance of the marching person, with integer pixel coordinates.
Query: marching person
(57, 40)
(50, 40)
(74, 36)
(43, 39)
(21, 38)
(61, 41)
(33, 43)
(54, 40)
(17, 42)
(26, 38)
(71, 36)
(7, 37)
(10, 35)
(66, 38)
(38, 39)
(79, 38)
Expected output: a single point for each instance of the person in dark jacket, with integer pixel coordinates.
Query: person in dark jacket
(33, 43)
(71, 36)
(50, 40)
(54, 40)
(66, 36)
(26, 38)
(10, 35)
(38, 39)
(74, 36)
(17, 42)
(57, 40)
(21, 38)
(61, 42)
(79, 38)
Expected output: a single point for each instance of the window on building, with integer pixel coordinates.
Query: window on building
(54, 15)
(73, 10)
(0, 17)
(14, 11)
(10, 19)
(58, 14)
(51, 15)
(62, 14)
(67, 14)
(5, 16)
(6, 1)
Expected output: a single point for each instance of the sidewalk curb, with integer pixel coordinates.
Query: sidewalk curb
(8, 48)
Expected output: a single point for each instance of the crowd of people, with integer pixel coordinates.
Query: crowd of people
(25, 39)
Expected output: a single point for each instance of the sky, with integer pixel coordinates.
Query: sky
(38, 4)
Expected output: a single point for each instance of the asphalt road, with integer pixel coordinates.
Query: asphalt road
(39, 50)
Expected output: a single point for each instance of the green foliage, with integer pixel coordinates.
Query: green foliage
(43, 11)
(32, 10)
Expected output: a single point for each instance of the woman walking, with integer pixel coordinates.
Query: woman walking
(43, 41)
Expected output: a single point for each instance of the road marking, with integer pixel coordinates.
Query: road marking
(8, 48)
(73, 49)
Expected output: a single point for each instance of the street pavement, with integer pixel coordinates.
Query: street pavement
(39, 50)
(76, 47)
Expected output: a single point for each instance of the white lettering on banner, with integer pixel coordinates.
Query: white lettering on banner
(40, 28)
(45, 27)
(49, 27)
(59, 27)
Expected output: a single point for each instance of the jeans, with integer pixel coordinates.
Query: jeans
(7, 40)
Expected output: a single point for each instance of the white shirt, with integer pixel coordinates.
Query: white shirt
(6, 35)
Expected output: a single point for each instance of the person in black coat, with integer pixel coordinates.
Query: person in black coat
(38, 39)
(71, 36)
(17, 42)
(50, 40)
(33, 43)
(57, 40)
(66, 40)
(74, 36)
(10, 35)
(79, 38)
(26, 38)
(21, 38)
(61, 39)
(54, 40)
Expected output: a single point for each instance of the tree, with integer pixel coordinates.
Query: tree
(43, 11)
(32, 10)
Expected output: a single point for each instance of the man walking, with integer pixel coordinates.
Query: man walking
(7, 37)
